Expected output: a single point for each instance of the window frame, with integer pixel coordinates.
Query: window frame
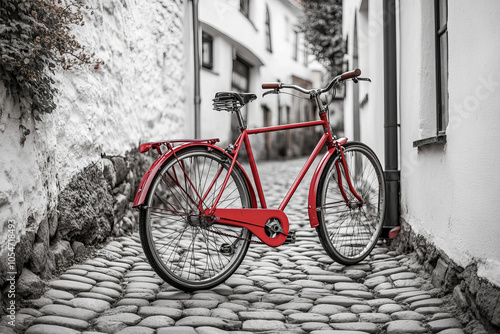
(207, 38)
(295, 45)
(269, 44)
(442, 102)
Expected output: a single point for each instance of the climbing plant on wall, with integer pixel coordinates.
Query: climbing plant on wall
(35, 39)
(322, 28)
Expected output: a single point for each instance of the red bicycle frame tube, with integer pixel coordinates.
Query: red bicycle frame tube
(243, 138)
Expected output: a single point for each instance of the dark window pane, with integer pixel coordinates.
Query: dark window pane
(241, 75)
(444, 80)
(207, 51)
(295, 45)
(268, 31)
(441, 18)
(245, 7)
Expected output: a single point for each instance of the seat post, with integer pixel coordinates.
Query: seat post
(240, 119)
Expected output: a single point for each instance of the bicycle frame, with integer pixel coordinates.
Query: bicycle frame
(243, 139)
(255, 219)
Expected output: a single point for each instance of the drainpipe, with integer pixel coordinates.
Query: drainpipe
(392, 173)
(196, 41)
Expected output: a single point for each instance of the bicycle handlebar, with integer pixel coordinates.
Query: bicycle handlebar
(271, 85)
(344, 76)
(350, 74)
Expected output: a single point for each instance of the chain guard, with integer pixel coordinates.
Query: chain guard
(256, 221)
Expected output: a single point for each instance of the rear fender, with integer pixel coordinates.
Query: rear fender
(313, 189)
(147, 179)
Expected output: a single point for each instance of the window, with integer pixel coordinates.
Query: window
(295, 45)
(306, 55)
(245, 7)
(268, 31)
(240, 82)
(207, 51)
(441, 19)
(287, 28)
(241, 75)
(441, 60)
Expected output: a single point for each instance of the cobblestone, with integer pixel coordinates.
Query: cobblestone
(69, 312)
(62, 322)
(290, 289)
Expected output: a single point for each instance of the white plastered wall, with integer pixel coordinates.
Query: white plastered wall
(448, 193)
(369, 23)
(136, 96)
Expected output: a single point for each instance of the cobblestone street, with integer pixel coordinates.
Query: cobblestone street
(291, 289)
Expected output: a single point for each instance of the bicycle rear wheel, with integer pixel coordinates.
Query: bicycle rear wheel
(181, 245)
(349, 230)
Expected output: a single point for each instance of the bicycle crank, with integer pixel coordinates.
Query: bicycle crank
(273, 228)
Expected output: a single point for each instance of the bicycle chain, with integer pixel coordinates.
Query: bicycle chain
(234, 236)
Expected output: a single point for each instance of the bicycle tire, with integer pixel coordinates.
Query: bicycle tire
(349, 234)
(182, 248)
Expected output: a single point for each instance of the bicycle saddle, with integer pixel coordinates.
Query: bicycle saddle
(243, 98)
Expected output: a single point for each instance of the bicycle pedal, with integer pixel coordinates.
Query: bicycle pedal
(227, 249)
(290, 238)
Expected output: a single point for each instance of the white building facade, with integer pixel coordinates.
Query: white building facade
(246, 43)
(448, 104)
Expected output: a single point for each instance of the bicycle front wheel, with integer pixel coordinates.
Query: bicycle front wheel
(182, 246)
(348, 228)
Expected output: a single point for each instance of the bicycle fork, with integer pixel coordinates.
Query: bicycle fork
(340, 165)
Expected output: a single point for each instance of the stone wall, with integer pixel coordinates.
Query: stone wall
(478, 300)
(95, 205)
(69, 183)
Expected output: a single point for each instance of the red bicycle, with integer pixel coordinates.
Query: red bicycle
(199, 209)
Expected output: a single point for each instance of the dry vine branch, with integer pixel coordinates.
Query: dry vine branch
(35, 39)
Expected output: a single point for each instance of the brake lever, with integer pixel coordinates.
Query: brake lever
(356, 79)
(274, 91)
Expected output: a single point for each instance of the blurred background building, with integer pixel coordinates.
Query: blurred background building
(243, 44)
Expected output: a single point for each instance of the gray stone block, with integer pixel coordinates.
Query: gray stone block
(108, 171)
(85, 208)
(24, 248)
(487, 300)
(460, 298)
(439, 273)
(29, 285)
(62, 252)
(78, 249)
(121, 169)
(38, 257)
(53, 222)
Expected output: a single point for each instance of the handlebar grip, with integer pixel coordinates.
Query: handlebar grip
(350, 74)
(271, 85)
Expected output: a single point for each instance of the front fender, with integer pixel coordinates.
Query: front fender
(147, 179)
(313, 189)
